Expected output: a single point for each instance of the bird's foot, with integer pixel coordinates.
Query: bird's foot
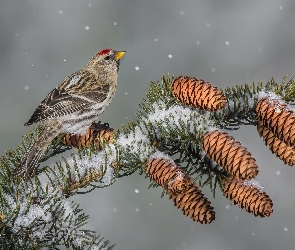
(97, 126)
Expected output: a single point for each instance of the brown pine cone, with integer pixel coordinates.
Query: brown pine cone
(198, 93)
(277, 146)
(229, 154)
(167, 175)
(92, 137)
(194, 204)
(248, 197)
(278, 117)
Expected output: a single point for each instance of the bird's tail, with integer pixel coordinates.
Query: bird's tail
(30, 161)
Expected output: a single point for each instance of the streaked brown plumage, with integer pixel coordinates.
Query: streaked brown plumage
(74, 104)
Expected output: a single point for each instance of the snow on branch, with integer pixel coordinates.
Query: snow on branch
(177, 140)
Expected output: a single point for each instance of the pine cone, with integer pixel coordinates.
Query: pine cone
(278, 117)
(277, 146)
(194, 204)
(198, 93)
(92, 137)
(168, 175)
(249, 197)
(229, 154)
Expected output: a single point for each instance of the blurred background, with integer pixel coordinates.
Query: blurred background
(225, 42)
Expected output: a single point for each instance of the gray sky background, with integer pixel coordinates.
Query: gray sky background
(225, 42)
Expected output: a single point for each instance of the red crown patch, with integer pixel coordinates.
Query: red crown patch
(103, 52)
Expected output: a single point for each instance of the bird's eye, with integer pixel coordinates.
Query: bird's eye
(107, 58)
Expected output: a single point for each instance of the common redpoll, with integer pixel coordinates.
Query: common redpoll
(73, 105)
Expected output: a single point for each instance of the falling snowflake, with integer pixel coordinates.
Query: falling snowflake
(136, 68)
(170, 56)
(87, 28)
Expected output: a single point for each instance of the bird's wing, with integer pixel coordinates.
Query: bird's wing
(61, 102)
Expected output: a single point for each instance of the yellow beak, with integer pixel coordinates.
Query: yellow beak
(119, 55)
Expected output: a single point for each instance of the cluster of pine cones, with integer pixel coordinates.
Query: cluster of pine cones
(275, 125)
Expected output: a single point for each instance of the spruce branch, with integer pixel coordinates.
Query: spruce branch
(177, 141)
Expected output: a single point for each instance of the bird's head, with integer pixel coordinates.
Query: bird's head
(106, 61)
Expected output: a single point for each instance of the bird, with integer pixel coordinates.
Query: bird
(73, 106)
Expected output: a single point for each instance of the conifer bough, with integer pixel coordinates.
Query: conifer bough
(198, 93)
(163, 125)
